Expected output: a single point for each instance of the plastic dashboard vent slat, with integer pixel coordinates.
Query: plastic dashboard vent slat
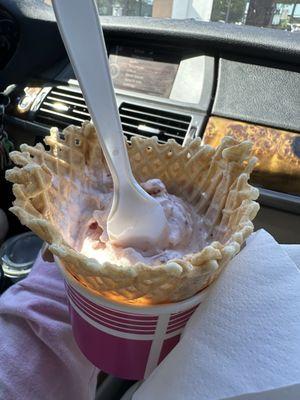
(65, 105)
(144, 121)
(62, 106)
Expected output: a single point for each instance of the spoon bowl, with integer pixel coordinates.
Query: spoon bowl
(141, 220)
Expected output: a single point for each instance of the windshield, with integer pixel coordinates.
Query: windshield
(264, 13)
(284, 14)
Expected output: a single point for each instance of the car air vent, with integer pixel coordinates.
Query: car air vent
(64, 106)
(145, 121)
(61, 107)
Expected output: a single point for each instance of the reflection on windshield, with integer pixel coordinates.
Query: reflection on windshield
(284, 14)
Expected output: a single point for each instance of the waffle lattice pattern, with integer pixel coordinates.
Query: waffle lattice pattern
(57, 190)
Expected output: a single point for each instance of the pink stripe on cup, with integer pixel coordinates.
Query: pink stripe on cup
(139, 317)
(177, 329)
(107, 317)
(180, 322)
(182, 314)
(114, 326)
(183, 318)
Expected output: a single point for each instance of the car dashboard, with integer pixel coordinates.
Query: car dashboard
(179, 80)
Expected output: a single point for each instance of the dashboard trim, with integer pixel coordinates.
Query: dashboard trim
(280, 201)
(211, 37)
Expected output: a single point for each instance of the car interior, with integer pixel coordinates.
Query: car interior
(177, 79)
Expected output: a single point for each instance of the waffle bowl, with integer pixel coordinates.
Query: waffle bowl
(57, 190)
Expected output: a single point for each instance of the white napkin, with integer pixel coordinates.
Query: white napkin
(243, 342)
(293, 251)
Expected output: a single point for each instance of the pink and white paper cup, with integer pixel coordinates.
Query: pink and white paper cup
(124, 340)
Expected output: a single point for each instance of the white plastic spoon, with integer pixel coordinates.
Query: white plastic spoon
(135, 219)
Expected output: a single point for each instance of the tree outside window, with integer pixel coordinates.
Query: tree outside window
(232, 11)
(282, 14)
(125, 7)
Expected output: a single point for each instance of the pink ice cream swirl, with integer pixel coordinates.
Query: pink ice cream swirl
(185, 233)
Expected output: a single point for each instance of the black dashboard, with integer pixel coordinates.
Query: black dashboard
(172, 79)
(9, 37)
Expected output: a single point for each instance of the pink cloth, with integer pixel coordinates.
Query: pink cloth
(39, 359)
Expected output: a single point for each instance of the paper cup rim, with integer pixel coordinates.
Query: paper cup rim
(155, 309)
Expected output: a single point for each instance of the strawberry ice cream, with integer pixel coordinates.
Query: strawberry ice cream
(185, 232)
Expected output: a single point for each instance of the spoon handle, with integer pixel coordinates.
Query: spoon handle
(80, 28)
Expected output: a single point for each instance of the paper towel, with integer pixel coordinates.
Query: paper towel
(293, 250)
(244, 339)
